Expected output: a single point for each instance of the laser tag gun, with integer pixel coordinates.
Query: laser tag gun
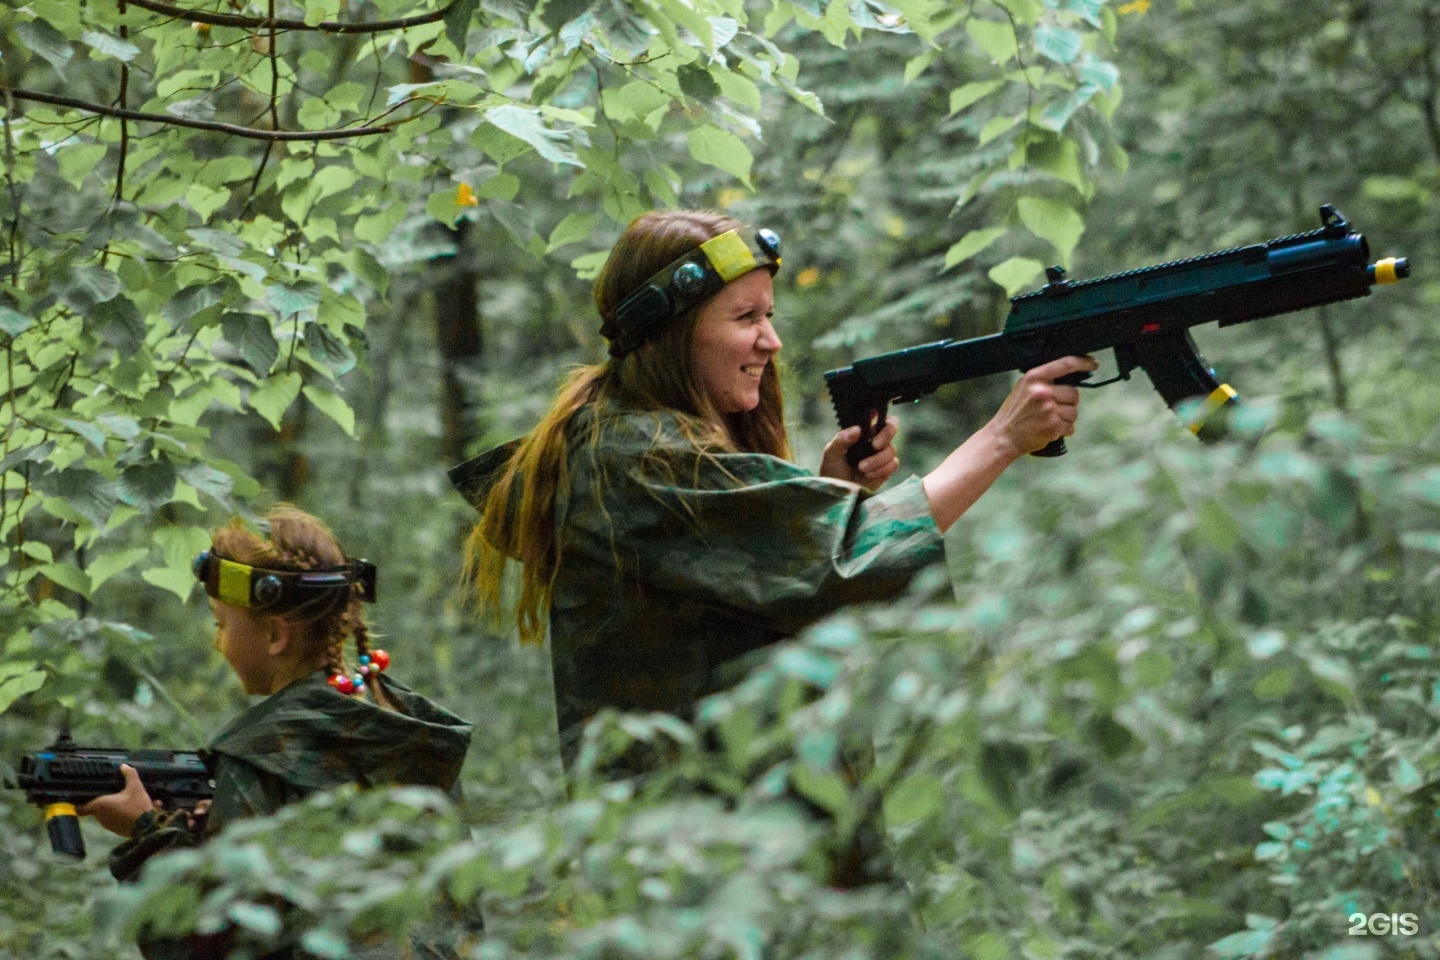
(63, 776)
(1144, 315)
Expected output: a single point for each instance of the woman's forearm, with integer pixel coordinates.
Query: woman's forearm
(968, 472)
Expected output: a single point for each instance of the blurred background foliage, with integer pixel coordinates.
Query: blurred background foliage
(1165, 701)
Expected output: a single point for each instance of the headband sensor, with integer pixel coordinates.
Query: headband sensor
(277, 591)
(685, 282)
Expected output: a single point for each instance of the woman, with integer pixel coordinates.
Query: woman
(662, 531)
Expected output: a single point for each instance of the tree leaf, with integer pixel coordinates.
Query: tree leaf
(292, 298)
(273, 397)
(251, 335)
(329, 349)
(722, 149)
(912, 799)
(107, 565)
(110, 46)
(573, 229)
(527, 124)
(971, 244)
(118, 323)
(334, 407)
(48, 42)
(178, 582)
(995, 38)
(962, 97)
(179, 544)
(1057, 43)
(1015, 273)
(1056, 115)
(89, 431)
(16, 685)
(208, 479)
(88, 286)
(147, 485)
(190, 301)
(34, 453)
(1054, 222)
(88, 494)
(68, 576)
(458, 20)
(13, 322)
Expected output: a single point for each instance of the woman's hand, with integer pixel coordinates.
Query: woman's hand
(117, 812)
(1037, 410)
(875, 469)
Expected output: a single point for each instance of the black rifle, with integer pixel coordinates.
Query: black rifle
(1144, 315)
(62, 776)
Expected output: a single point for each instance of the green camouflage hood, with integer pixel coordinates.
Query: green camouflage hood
(316, 738)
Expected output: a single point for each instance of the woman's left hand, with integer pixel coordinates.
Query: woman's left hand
(875, 469)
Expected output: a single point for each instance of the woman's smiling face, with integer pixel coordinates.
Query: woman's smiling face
(734, 341)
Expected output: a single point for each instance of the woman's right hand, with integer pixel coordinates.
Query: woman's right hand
(1038, 410)
(117, 812)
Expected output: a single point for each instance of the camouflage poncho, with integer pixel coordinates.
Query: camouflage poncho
(302, 739)
(309, 737)
(673, 563)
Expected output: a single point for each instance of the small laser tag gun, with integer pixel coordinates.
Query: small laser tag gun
(62, 776)
(1144, 315)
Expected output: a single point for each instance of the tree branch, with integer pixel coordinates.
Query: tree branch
(228, 128)
(256, 23)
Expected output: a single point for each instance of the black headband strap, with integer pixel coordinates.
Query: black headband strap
(275, 591)
(685, 282)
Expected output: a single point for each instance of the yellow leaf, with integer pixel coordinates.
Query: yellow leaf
(1135, 6)
(465, 197)
(1372, 796)
(807, 277)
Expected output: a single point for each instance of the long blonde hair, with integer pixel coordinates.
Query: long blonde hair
(517, 516)
(300, 541)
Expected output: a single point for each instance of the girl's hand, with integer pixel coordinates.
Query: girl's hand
(874, 470)
(1038, 411)
(117, 812)
(195, 819)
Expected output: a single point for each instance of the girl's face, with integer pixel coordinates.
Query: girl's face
(734, 341)
(245, 642)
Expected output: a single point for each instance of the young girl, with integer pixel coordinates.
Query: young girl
(283, 611)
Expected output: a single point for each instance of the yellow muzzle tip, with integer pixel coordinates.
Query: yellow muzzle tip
(60, 810)
(1385, 271)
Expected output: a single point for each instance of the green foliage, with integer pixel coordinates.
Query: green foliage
(1180, 702)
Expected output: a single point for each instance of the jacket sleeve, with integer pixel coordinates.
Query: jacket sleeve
(754, 533)
(155, 832)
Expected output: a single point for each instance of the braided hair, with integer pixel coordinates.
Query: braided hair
(301, 542)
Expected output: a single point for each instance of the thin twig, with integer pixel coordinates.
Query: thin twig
(274, 74)
(124, 127)
(233, 130)
(256, 23)
(14, 191)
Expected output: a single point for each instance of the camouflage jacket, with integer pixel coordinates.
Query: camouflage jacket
(674, 563)
(306, 738)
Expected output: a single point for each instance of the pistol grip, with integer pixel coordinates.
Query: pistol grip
(1055, 448)
(862, 448)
